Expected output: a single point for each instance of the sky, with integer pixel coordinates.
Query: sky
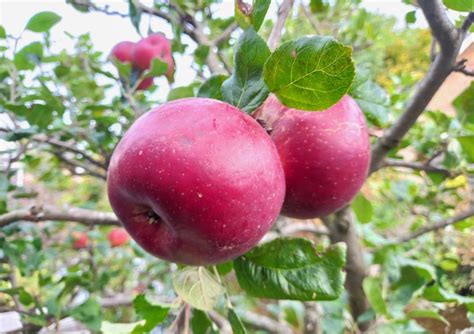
(104, 33)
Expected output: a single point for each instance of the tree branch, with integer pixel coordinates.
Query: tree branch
(68, 147)
(461, 67)
(450, 40)
(225, 34)
(467, 23)
(438, 225)
(264, 323)
(221, 322)
(283, 12)
(90, 5)
(37, 213)
(312, 316)
(77, 164)
(295, 228)
(416, 165)
(342, 228)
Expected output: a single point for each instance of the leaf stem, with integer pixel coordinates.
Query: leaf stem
(226, 295)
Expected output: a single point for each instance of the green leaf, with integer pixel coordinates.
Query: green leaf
(259, 10)
(198, 287)
(436, 293)
(200, 322)
(318, 6)
(114, 328)
(135, 15)
(237, 325)
(225, 268)
(467, 144)
(153, 314)
(420, 313)
(180, 93)
(211, 88)
(362, 209)
(291, 268)
(89, 313)
(246, 89)
(24, 296)
(371, 98)
(460, 5)
(36, 319)
(253, 15)
(424, 270)
(29, 56)
(373, 290)
(464, 105)
(19, 134)
(158, 68)
(43, 21)
(124, 69)
(410, 17)
(40, 115)
(3, 33)
(310, 73)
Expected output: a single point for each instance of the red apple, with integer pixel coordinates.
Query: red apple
(117, 237)
(196, 181)
(145, 83)
(80, 240)
(123, 51)
(151, 47)
(325, 155)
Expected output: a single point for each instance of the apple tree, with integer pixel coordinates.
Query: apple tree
(302, 183)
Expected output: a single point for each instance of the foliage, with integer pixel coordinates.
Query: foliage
(63, 112)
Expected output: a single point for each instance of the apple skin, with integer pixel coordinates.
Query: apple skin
(196, 181)
(117, 237)
(151, 47)
(145, 83)
(81, 240)
(123, 51)
(325, 155)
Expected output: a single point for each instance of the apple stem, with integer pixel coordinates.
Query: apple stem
(264, 125)
(153, 218)
(226, 295)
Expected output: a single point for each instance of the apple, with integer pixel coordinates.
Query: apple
(145, 83)
(123, 51)
(196, 181)
(325, 155)
(117, 237)
(80, 240)
(152, 47)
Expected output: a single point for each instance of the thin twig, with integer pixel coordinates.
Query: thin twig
(417, 166)
(438, 225)
(283, 12)
(68, 147)
(38, 213)
(312, 20)
(225, 35)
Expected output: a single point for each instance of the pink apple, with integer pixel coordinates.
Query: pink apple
(325, 155)
(80, 240)
(196, 181)
(117, 237)
(123, 51)
(145, 83)
(154, 46)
